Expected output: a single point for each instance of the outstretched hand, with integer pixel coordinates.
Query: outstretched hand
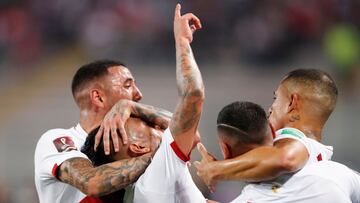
(203, 166)
(185, 25)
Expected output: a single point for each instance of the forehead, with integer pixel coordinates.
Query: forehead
(120, 72)
(281, 89)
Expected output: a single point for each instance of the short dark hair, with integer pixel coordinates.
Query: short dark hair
(244, 121)
(97, 157)
(316, 79)
(91, 71)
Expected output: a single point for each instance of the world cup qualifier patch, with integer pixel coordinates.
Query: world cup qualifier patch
(64, 144)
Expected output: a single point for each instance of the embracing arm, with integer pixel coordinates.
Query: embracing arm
(184, 123)
(104, 179)
(147, 113)
(116, 118)
(260, 164)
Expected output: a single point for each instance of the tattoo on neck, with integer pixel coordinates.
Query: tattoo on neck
(294, 118)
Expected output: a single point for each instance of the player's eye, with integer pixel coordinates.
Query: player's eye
(127, 86)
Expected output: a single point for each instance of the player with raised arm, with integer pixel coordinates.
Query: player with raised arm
(167, 179)
(62, 172)
(303, 102)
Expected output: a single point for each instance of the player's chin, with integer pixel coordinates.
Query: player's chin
(273, 122)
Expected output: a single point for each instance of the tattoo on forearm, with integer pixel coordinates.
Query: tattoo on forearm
(106, 179)
(153, 115)
(191, 89)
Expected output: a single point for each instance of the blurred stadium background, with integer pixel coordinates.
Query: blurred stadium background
(245, 48)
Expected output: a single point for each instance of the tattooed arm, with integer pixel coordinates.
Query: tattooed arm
(104, 179)
(260, 164)
(184, 123)
(116, 118)
(150, 114)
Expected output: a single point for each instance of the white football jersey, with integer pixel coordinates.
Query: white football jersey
(317, 151)
(321, 182)
(167, 179)
(52, 149)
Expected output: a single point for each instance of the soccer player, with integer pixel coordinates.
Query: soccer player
(62, 172)
(303, 102)
(243, 126)
(142, 139)
(167, 179)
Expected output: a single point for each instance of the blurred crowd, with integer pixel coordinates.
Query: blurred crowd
(261, 31)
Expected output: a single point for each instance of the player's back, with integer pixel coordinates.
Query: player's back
(324, 181)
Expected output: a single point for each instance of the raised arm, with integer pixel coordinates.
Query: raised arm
(116, 118)
(184, 122)
(102, 180)
(260, 164)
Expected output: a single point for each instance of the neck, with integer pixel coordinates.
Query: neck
(90, 119)
(311, 129)
(242, 149)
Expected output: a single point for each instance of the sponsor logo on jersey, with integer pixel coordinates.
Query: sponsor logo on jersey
(64, 144)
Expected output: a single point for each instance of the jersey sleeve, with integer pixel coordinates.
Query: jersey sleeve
(163, 179)
(52, 150)
(292, 133)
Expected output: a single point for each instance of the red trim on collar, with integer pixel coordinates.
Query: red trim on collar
(179, 153)
(88, 199)
(54, 169)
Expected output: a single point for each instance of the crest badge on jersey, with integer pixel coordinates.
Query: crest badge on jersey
(64, 144)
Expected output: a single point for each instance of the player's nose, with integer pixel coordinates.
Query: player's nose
(137, 94)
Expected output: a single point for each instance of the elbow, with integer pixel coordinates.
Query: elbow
(196, 93)
(91, 189)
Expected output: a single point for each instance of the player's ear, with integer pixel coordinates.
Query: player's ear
(138, 149)
(225, 149)
(97, 98)
(294, 102)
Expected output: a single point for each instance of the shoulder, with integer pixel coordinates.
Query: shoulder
(54, 133)
(52, 138)
(327, 169)
(294, 135)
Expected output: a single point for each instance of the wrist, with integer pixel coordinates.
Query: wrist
(182, 40)
(125, 107)
(213, 172)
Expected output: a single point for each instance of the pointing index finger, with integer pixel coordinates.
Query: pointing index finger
(178, 11)
(202, 150)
